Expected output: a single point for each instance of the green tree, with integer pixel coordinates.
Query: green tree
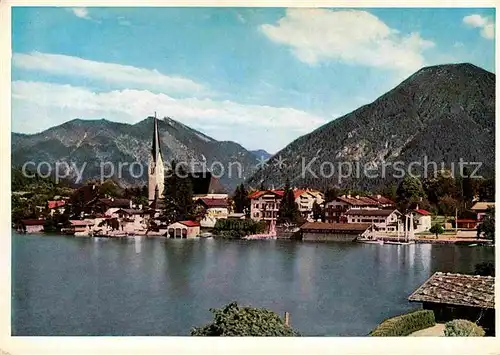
(437, 229)
(332, 193)
(487, 190)
(317, 211)
(109, 188)
(241, 200)
(177, 195)
(467, 187)
(288, 212)
(409, 191)
(390, 191)
(441, 185)
(232, 320)
(487, 226)
(448, 205)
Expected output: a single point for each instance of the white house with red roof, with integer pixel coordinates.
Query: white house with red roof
(56, 205)
(423, 220)
(264, 205)
(183, 229)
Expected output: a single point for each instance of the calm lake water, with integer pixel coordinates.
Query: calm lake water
(80, 286)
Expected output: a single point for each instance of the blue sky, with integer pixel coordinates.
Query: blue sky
(258, 76)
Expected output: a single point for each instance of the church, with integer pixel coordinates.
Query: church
(203, 182)
(156, 167)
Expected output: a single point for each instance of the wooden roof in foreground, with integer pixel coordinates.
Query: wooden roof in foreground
(457, 289)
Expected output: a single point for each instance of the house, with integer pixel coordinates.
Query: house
(183, 229)
(81, 228)
(56, 205)
(109, 206)
(480, 209)
(335, 209)
(385, 220)
(264, 205)
(131, 220)
(423, 220)
(305, 200)
(383, 201)
(215, 208)
(31, 226)
(466, 223)
(459, 296)
(341, 232)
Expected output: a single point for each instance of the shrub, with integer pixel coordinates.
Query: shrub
(462, 328)
(405, 324)
(232, 320)
(238, 228)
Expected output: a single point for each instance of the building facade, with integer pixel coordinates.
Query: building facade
(384, 220)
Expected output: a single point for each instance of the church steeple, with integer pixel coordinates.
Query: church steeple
(156, 174)
(156, 150)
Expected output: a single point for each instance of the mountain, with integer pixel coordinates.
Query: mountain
(261, 154)
(444, 112)
(95, 142)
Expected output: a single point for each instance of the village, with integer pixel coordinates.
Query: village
(286, 213)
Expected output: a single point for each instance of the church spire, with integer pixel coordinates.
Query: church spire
(156, 151)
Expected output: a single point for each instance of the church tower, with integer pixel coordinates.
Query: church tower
(156, 168)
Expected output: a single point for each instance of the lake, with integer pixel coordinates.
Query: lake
(82, 286)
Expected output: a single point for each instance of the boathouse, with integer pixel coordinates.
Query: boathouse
(183, 229)
(458, 296)
(342, 232)
(31, 225)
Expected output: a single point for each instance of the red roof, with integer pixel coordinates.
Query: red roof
(190, 223)
(423, 212)
(466, 220)
(56, 204)
(382, 200)
(257, 194)
(359, 201)
(214, 202)
(33, 222)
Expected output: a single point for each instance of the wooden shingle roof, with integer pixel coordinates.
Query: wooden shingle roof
(457, 289)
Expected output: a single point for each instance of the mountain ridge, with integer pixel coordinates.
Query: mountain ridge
(101, 140)
(438, 98)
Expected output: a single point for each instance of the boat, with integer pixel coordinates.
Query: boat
(206, 235)
(370, 241)
(408, 230)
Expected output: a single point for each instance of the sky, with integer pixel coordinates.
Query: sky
(261, 77)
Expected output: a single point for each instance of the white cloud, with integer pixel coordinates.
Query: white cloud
(116, 74)
(81, 12)
(484, 23)
(37, 106)
(350, 36)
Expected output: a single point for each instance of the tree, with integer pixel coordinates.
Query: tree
(487, 190)
(232, 320)
(487, 226)
(409, 191)
(240, 199)
(448, 205)
(467, 187)
(437, 229)
(331, 194)
(109, 188)
(317, 211)
(178, 195)
(390, 191)
(288, 212)
(262, 186)
(441, 185)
